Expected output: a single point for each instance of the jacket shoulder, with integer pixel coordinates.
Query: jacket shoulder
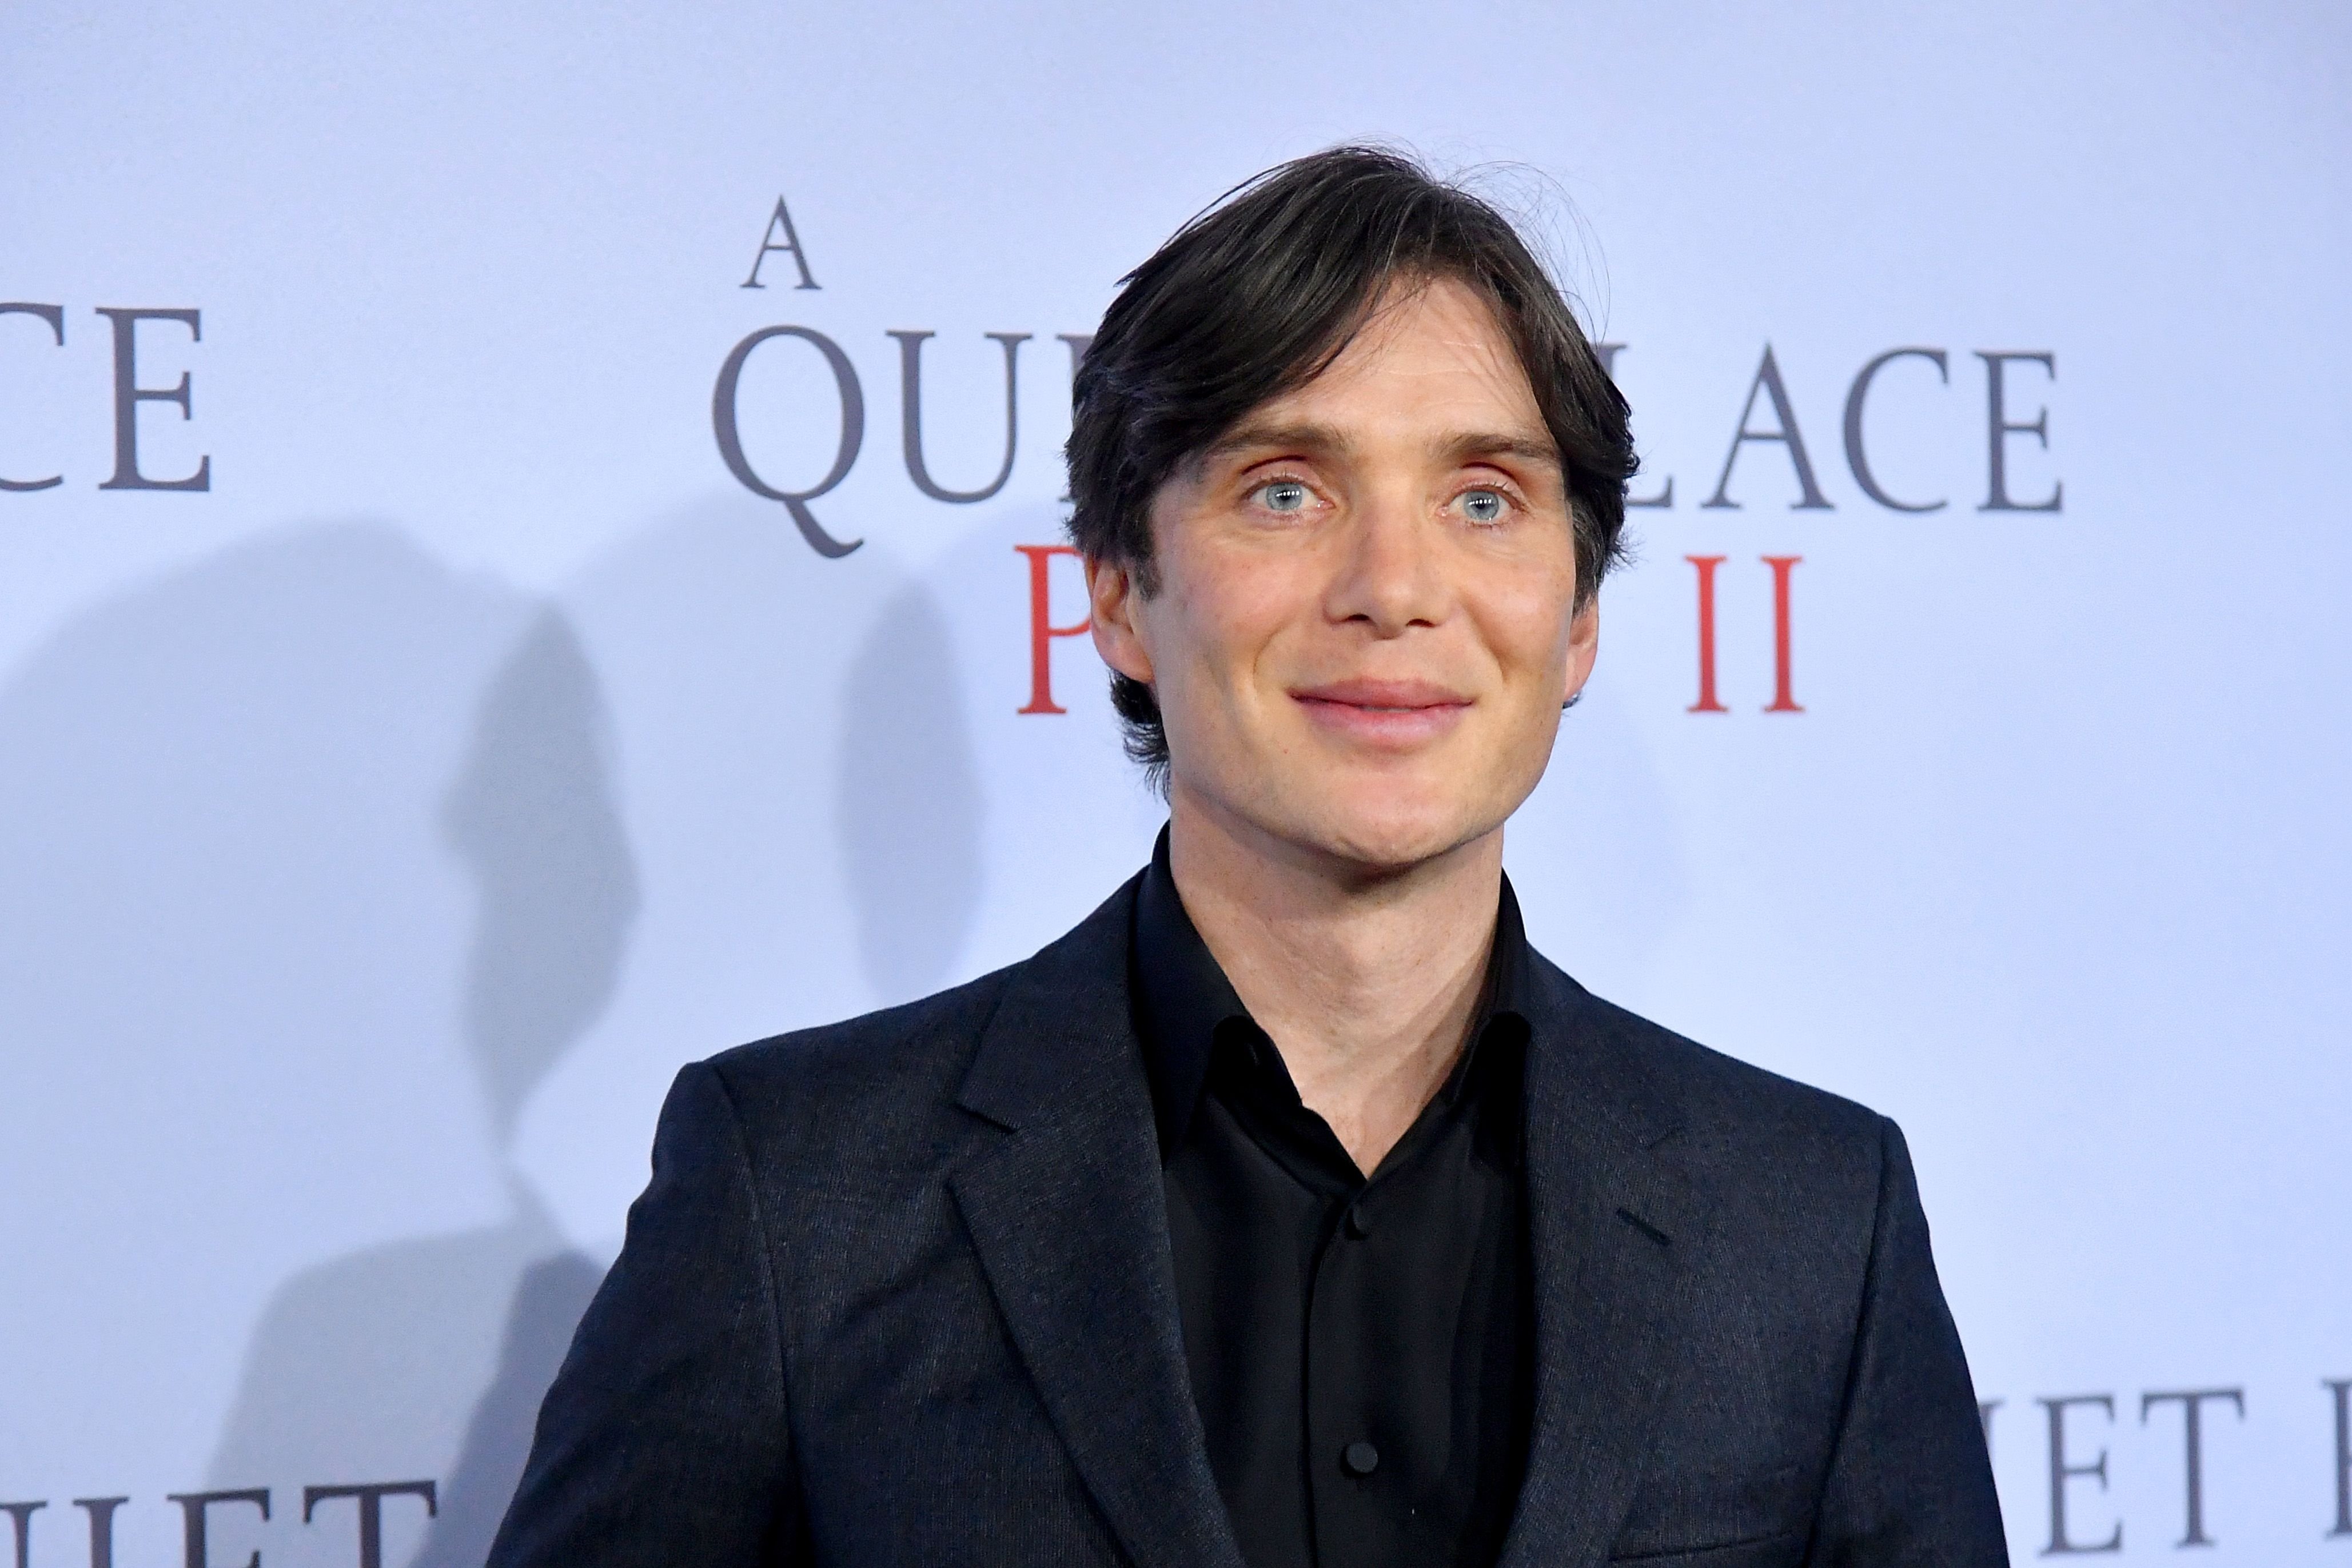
(1721, 1095)
(879, 1105)
(842, 1095)
(1790, 1178)
(1746, 1133)
(934, 1038)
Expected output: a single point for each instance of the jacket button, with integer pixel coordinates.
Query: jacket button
(1360, 1459)
(1358, 1226)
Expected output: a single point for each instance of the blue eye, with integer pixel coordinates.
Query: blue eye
(1484, 505)
(1284, 495)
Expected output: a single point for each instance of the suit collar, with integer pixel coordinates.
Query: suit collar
(1183, 997)
(1611, 1224)
(1068, 1216)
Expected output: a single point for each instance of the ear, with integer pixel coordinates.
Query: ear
(1583, 645)
(1114, 596)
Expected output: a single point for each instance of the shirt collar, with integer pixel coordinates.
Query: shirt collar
(1181, 997)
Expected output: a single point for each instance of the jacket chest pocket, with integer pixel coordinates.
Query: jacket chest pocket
(1775, 1551)
(1748, 1517)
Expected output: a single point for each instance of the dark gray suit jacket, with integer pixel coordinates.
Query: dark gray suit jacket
(900, 1293)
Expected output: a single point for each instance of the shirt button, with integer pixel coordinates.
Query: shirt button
(1357, 1228)
(1360, 1459)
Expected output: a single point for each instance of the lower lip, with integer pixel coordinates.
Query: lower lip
(1398, 727)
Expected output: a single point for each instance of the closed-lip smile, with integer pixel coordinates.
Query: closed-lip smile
(1391, 712)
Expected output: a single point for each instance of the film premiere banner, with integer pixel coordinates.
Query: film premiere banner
(531, 553)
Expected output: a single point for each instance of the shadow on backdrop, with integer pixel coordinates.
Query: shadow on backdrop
(910, 806)
(246, 809)
(801, 778)
(444, 1344)
(232, 949)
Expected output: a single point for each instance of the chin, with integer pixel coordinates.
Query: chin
(1392, 830)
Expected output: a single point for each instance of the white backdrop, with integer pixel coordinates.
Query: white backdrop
(382, 824)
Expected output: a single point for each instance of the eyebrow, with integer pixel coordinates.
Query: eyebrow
(1473, 443)
(1320, 440)
(1325, 441)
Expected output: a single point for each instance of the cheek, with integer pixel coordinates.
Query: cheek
(1230, 611)
(1526, 628)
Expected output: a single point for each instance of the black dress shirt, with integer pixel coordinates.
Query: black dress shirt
(1359, 1348)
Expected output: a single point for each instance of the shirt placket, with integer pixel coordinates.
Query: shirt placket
(1348, 1439)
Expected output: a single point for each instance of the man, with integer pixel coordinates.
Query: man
(1291, 1210)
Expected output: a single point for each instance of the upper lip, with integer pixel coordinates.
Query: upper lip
(1372, 693)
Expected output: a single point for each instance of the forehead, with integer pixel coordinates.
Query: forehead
(1430, 352)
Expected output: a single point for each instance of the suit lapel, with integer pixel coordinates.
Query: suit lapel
(1608, 1222)
(1069, 1217)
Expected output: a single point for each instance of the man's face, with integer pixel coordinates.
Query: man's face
(1364, 625)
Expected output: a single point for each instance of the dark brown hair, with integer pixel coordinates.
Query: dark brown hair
(1255, 296)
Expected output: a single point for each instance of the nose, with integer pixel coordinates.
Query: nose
(1390, 573)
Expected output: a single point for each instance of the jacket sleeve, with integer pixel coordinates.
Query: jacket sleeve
(1910, 1483)
(665, 1438)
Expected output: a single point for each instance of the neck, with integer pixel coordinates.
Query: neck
(1365, 979)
